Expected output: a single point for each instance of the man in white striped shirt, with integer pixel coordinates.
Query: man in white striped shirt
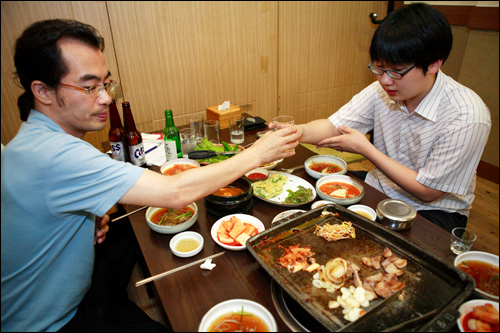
(429, 131)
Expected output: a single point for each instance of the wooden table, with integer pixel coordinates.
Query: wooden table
(187, 295)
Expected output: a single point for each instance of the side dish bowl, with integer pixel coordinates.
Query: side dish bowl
(257, 174)
(179, 161)
(364, 211)
(189, 236)
(166, 229)
(225, 205)
(485, 257)
(243, 218)
(238, 305)
(350, 181)
(467, 307)
(330, 159)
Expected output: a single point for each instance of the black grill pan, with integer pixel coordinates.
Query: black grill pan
(434, 288)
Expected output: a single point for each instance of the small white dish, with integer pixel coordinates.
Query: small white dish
(172, 163)
(187, 235)
(467, 307)
(364, 211)
(236, 305)
(479, 256)
(321, 203)
(263, 174)
(243, 218)
(286, 213)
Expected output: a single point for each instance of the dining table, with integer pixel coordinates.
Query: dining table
(187, 295)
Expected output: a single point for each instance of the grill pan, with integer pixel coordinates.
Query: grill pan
(434, 288)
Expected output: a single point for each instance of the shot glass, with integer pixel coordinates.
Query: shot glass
(188, 140)
(282, 122)
(237, 129)
(196, 123)
(461, 240)
(211, 128)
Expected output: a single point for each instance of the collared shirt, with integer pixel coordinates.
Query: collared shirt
(443, 139)
(53, 186)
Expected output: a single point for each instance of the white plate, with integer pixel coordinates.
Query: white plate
(235, 305)
(292, 184)
(244, 218)
(469, 306)
(287, 213)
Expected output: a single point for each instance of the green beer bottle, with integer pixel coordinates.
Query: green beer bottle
(171, 139)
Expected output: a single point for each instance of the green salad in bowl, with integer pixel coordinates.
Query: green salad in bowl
(219, 147)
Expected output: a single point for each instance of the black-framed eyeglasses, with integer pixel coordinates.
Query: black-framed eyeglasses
(94, 91)
(393, 74)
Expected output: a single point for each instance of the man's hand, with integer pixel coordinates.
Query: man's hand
(101, 228)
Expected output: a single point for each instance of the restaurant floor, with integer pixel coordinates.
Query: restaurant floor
(483, 220)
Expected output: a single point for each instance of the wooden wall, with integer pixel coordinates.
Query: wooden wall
(301, 58)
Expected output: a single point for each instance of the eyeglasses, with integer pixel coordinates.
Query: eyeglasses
(393, 74)
(94, 91)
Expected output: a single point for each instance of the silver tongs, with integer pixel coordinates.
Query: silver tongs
(201, 154)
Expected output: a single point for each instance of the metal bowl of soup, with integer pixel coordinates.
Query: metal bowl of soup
(320, 166)
(231, 199)
(171, 221)
(341, 189)
(483, 267)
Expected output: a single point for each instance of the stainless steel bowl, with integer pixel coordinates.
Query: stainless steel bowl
(396, 214)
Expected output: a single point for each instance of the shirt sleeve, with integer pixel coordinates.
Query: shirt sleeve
(84, 179)
(358, 113)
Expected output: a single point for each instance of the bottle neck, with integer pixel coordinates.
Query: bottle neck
(129, 119)
(169, 120)
(114, 116)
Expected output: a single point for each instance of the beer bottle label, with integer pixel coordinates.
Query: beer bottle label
(117, 150)
(137, 156)
(170, 149)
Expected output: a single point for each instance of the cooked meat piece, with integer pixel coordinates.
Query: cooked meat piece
(390, 268)
(373, 262)
(399, 262)
(387, 252)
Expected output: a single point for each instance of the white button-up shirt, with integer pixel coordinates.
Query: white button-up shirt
(443, 139)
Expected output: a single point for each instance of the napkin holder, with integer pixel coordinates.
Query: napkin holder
(223, 116)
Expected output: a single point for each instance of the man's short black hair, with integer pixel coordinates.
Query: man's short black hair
(38, 56)
(417, 34)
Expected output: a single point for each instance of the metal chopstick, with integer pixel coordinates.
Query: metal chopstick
(162, 275)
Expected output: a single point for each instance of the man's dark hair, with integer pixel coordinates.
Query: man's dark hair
(417, 34)
(38, 55)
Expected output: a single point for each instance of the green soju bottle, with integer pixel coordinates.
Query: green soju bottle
(171, 139)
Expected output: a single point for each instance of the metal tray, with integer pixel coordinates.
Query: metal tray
(434, 288)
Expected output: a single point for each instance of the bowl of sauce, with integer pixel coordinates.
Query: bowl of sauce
(257, 174)
(483, 267)
(186, 244)
(231, 199)
(238, 315)
(364, 211)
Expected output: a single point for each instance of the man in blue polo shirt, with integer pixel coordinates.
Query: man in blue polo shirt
(54, 185)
